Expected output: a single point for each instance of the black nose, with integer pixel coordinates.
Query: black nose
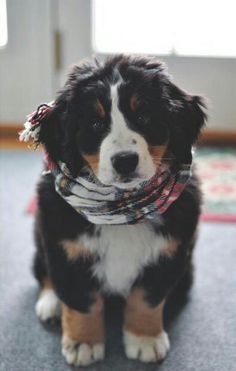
(125, 162)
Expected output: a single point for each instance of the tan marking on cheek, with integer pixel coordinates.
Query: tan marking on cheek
(100, 109)
(170, 248)
(139, 318)
(133, 103)
(93, 161)
(158, 152)
(84, 327)
(75, 250)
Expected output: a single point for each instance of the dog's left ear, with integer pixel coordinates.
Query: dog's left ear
(186, 117)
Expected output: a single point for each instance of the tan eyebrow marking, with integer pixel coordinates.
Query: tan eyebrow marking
(134, 103)
(100, 109)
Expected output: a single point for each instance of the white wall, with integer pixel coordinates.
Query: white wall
(26, 62)
(74, 23)
(27, 66)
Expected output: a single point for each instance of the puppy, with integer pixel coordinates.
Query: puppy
(126, 119)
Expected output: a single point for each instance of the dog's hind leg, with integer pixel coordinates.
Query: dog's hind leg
(48, 306)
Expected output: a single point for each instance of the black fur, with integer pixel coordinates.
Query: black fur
(167, 113)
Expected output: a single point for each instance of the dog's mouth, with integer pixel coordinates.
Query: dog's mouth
(128, 181)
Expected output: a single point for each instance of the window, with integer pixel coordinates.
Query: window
(3, 23)
(182, 27)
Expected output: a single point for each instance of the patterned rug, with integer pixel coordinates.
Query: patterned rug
(217, 170)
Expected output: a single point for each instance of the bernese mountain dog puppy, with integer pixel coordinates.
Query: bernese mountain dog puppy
(125, 118)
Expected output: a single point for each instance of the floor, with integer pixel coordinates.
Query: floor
(203, 336)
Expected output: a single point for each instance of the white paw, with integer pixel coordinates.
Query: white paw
(48, 305)
(146, 348)
(82, 354)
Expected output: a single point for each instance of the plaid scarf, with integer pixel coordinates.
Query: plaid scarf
(107, 204)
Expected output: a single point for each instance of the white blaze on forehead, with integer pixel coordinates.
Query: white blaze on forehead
(122, 138)
(120, 132)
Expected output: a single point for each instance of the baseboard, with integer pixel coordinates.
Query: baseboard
(10, 129)
(221, 137)
(9, 136)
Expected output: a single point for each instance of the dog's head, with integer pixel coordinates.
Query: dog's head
(124, 117)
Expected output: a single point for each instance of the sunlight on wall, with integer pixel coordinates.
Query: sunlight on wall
(183, 27)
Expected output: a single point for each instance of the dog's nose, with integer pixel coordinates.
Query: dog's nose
(125, 162)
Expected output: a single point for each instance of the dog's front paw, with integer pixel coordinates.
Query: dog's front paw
(48, 306)
(146, 348)
(82, 354)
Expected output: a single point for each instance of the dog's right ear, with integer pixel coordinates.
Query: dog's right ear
(58, 134)
(52, 129)
(45, 126)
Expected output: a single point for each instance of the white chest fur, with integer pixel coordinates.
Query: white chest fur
(123, 252)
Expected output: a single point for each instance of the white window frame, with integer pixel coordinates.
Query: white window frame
(3, 24)
(205, 28)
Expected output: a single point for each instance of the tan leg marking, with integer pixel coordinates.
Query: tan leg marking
(46, 283)
(93, 161)
(48, 306)
(84, 327)
(139, 318)
(74, 250)
(83, 335)
(143, 335)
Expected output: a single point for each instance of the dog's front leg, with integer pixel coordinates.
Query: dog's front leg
(144, 336)
(70, 265)
(83, 334)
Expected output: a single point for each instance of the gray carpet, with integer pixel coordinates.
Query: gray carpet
(203, 336)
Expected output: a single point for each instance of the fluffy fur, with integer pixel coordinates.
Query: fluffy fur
(104, 113)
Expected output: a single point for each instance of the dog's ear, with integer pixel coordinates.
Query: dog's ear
(51, 132)
(58, 135)
(186, 117)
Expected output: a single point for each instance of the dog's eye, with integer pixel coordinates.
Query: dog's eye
(142, 120)
(98, 126)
